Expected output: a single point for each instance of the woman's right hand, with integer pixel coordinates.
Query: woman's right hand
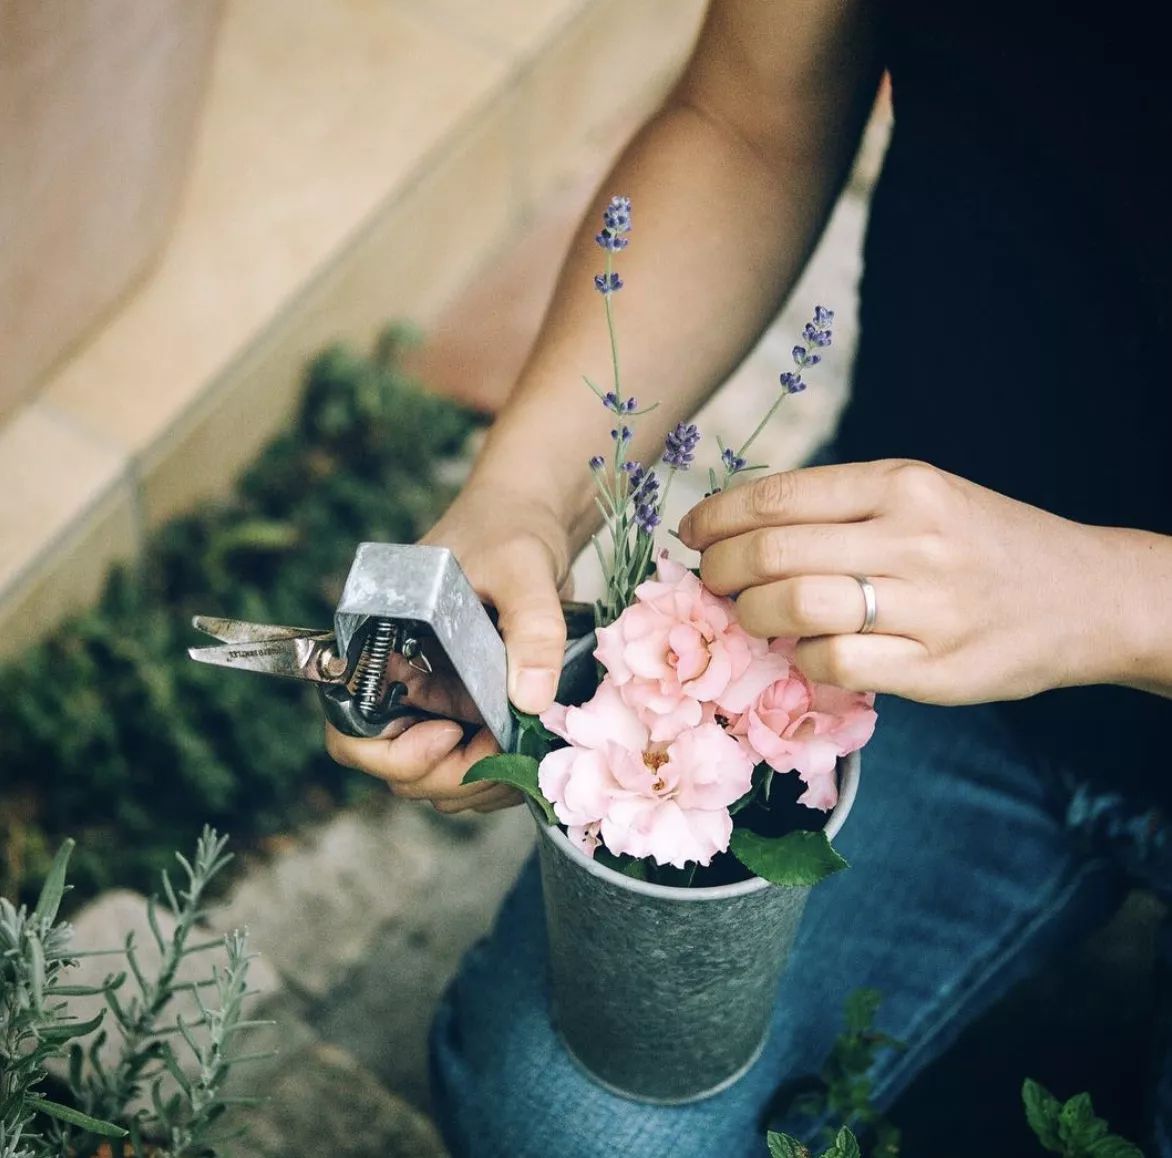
(516, 555)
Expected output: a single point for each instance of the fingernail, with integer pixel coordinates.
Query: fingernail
(445, 739)
(685, 529)
(534, 688)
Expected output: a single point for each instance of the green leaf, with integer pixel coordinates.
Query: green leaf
(1077, 1124)
(1113, 1146)
(54, 887)
(63, 1031)
(798, 858)
(1042, 1110)
(783, 1146)
(860, 1009)
(845, 1146)
(75, 1117)
(518, 771)
(627, 865)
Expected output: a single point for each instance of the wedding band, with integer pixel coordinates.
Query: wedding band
(870, 603)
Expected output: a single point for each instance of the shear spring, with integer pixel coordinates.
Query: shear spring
(372, 666)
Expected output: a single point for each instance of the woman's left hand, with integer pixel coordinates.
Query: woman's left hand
(979, 597)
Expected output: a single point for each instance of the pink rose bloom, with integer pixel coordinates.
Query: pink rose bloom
(798, 726)
(666, 801)
(676, 647)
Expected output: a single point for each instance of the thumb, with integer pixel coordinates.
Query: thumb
(530, 618)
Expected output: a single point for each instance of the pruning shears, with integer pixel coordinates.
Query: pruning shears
(404, 611)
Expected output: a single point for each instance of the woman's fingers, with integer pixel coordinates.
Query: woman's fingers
(866, 663)
(813, 605)
(770, 553)
(848, 493)
(428, 762)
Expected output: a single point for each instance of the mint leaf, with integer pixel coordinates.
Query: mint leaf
(1114, 1147)
(519, 771)
(845, 1146)
(783, 1146)
(1042, 1109)
(798, 858)
(1077, 1125)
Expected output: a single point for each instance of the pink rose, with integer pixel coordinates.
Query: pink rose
(676, 647)
(645, 798)
(798, 726)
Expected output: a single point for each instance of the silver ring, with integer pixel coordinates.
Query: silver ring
(870, 603)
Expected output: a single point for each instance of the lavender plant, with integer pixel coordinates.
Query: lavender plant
(630, 496)
(35, 1028)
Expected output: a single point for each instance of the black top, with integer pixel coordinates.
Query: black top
(1017, 294)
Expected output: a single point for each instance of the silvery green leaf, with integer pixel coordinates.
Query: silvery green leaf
(75, 1118)
(54, 887)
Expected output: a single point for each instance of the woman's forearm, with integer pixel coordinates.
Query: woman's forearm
(729, 193)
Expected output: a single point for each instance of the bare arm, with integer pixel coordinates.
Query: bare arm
(731, 182)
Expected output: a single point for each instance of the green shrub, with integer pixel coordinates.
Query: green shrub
(108, 731)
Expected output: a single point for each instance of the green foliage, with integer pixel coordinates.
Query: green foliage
(36, 1028)
(1071, 1128)
(109, 732)
(797, 858)
(845, 1085)
(845, 1145)
(515, 770)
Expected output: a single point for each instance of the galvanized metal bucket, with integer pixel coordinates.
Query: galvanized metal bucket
(664, 994)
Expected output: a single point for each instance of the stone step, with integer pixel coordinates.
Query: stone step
(357, 163)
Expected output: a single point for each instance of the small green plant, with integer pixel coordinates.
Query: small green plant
(111, 697)
(105, 1099)
(845, 1145)
(845, 1083)
(1071, 1128)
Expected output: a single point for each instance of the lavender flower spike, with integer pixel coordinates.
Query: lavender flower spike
(680, 448)
(792, 383)
(616, 217)
(606, 285)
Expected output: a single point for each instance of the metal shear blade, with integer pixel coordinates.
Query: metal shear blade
(293, 652)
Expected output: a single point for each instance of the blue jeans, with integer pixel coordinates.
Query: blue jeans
(972, 863)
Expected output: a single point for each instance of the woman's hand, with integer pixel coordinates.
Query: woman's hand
(979, 597)
(516, 555)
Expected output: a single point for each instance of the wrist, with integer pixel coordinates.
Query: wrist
(1129, 591)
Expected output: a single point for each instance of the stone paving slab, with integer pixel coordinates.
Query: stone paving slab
(317, 910)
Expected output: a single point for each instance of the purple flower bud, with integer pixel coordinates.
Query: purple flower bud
(813, 359)
(823, 316)
(799, 353)
(680, 447)
(611, 241)
(646, 517)
(622, 434)
(632, 467)
(792, 382)
(606, 285)
(631, 404)
(733, 461)
(597, 462)
(610, 401)
(616, 217)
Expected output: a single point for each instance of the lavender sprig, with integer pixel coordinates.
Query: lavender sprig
(817, 335)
